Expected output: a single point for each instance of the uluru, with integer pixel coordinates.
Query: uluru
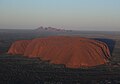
(18, 47)
(72, 51)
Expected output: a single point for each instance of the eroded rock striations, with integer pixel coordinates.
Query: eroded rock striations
(74, 52)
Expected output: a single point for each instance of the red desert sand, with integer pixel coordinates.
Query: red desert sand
(74, 52)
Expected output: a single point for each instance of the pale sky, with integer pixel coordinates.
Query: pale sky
(98, 15)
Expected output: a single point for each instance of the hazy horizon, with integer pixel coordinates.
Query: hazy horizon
(91, 15)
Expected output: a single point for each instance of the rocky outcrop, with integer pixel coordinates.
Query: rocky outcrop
(74, 52)
(18, 47)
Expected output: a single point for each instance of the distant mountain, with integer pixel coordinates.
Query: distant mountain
(51, 29)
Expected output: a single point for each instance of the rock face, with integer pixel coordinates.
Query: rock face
(18, 47)
(74, 52)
